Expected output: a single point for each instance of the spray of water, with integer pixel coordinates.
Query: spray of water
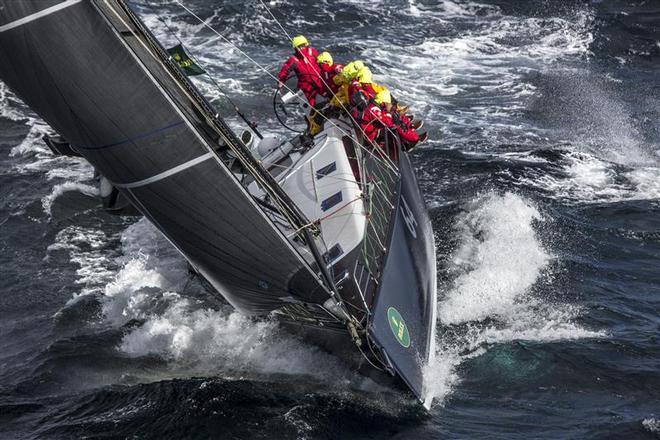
(498, 261)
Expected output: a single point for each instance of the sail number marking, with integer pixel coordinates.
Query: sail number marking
(408, 217)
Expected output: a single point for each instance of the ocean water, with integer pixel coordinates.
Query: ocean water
(542, 176)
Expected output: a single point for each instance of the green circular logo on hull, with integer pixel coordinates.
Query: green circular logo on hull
(398, 327)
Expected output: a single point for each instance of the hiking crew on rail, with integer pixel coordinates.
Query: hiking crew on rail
(348, 89)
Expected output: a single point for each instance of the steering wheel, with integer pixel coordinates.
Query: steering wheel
(291, 116)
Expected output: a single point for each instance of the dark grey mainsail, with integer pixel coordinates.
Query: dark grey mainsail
(88, 70)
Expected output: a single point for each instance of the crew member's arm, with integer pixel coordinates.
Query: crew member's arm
(285, 72)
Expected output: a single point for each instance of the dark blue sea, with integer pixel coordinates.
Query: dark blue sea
(542, 176)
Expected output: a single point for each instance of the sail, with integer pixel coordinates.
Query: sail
(85, 70)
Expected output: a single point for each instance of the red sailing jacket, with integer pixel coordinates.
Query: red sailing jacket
(403, 127)
(372, 120)
(303, 65)
(357, 87)
(328, 73)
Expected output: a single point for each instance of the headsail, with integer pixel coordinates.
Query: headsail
(84, 67)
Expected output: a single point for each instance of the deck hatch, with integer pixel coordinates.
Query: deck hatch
(321, 173)
(331, 201)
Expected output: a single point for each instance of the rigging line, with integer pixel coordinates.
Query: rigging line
(276, 20)
(305, 231)
(327, 216)
(364, 355)
(238, 111)
(305, 60)
(247, 164)
(320, 219)
(187, 91)
(225, 39)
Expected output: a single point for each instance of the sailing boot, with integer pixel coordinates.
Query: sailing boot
(315, 123)
(411, 145)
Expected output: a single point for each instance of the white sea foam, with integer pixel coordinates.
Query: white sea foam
(11, 107)
(61, 188)
(37, 158)
(652, 425)
(498, 260)
(585, 178)
(193, 338)
(496, 264)
(32, 144)
(88, 249)
(440, 376)
(479, 77)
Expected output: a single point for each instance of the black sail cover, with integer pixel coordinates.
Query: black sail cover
(79, 65)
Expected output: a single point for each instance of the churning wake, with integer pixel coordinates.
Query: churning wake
(149, 283)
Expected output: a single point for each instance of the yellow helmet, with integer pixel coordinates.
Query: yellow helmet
(364, 76)
(324, 58)
(351, 69)
(298, 41)
(383, 97)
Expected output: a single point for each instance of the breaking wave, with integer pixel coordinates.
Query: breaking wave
(499, 259)
(190, 332)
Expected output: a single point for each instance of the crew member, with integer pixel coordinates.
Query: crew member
(329, 71)
(370, 117)
(348, 74)
(303, 65)
(363, 84)
(400, 123)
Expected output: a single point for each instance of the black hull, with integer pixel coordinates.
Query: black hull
(407, 284)
(407, 292)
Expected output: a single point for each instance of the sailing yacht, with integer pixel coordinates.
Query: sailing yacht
(329, 235)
